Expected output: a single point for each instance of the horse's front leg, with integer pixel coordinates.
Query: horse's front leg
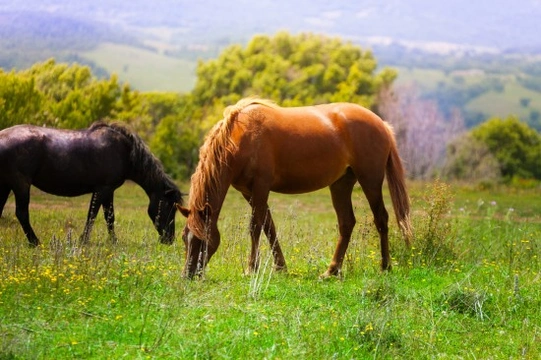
(4, 193)
(22, 199)
(262, 220)
(270, 232)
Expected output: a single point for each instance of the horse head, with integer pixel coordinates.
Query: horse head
(200, 239)
(161, 211)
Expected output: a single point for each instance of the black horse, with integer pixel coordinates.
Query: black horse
(96, 160)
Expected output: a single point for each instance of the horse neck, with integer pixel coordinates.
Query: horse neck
(147, 181)
(213, 192)
(219, 198)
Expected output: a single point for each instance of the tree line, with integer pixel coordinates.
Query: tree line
(293, 70)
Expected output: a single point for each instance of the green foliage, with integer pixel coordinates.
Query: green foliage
(20, 101)
(58, 95)
(515, 145)
(434, 243)
(469, 159)
(176, 137)
(74, 98)
(292, 70)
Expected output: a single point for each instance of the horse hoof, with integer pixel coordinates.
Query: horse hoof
(325, 276)
(330, 274)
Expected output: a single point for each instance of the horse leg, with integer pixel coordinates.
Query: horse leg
(4, 193)
(372, 191)
(22, 200)
(93, 209)
(109, 214)
(256, 225)
(270, 232)
(341, 199)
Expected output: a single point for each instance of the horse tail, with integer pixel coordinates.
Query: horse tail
(399, 194)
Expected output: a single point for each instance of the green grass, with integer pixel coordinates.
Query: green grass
(143, 69)
(425, 79)
(470, 288)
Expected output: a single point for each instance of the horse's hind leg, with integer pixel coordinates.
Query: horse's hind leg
(22, 199)
(341, 199)
(4, 193)
(372, 189)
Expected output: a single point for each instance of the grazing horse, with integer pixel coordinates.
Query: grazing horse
(96, 160)
(260, 147)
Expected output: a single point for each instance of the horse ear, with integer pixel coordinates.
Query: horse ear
(174, 194)
(184, 211)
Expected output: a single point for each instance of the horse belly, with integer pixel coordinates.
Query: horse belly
(74, 178)
(306, 177)
(63, 189)
(307, 163)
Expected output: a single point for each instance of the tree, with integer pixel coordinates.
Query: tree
(177, 136)
(515, 145)
(73, 97)
(469, 159)
(20, 101)
(57, 95)
(421, 130)
(292, 70)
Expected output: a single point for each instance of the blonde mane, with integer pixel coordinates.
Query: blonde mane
(206, 180)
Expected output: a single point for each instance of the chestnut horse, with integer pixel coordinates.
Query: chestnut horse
(260, 147)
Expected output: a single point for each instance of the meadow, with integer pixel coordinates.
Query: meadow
(469, 288)
(494, 103)
(144, 69)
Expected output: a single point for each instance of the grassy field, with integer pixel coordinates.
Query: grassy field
(145, 70)
(507, 102)
(470, 288)
(494, 103)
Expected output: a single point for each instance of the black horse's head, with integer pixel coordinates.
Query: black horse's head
(162, 211)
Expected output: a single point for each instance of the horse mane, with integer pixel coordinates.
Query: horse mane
(206, 180)
(142, 161)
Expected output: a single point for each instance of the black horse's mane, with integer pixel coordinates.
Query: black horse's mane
(141, 158)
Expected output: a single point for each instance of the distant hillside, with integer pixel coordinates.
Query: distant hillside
(30, 36)
(506, 26)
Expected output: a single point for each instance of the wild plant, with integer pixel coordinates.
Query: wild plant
(434, 241)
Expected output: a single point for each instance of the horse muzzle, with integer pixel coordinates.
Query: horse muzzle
(167, 238)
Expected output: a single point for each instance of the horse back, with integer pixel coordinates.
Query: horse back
(328, 127)
(306, 148)
(63, 162)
